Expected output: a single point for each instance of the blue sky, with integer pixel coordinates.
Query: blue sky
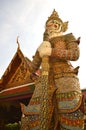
(26, 19)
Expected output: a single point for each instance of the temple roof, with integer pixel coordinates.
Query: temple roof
(16, 75)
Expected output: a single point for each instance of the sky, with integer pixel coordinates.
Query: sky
(26, 19)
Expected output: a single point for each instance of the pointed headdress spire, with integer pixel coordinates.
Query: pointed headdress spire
(54, 16)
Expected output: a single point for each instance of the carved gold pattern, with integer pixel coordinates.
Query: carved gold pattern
(20, 75)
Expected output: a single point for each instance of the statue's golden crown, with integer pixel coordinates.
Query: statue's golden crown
(55, 16)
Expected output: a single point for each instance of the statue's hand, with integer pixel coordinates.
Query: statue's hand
(45, 49)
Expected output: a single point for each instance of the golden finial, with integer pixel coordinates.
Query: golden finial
(18, 43)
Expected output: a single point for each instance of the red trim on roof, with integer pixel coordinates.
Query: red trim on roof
(25, 88)
(17, 92)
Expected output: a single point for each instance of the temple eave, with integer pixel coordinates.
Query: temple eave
(18, 92)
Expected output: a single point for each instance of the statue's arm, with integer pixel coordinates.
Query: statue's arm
(71, 53)
(35, 63)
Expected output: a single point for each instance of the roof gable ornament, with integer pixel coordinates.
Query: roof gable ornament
(18, 43)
